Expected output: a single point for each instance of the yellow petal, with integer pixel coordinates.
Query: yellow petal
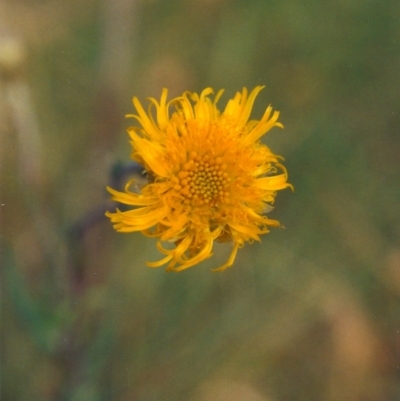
(262, 128)
(160, 262)
(149, 128)
(130, 198)
(199, 257)
(152, 153)
(273, 183)
(136, 220)
(161, 109)
(248, 106)
(247, 230)
(230, 260)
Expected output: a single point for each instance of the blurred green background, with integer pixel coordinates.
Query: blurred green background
(311, 313)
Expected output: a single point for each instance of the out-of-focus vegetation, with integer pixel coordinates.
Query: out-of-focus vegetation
(311, 313)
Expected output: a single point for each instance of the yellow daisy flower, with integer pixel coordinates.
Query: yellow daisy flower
(209, 176)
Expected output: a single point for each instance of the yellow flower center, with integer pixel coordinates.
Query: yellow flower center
(202, 180)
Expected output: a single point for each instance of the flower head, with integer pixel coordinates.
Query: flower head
(209, 176)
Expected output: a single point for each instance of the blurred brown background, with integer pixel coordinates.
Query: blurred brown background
(311, 313)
